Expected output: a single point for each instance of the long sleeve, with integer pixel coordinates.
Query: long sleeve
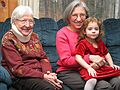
(65, 44)
(16, 65)
(24, 59)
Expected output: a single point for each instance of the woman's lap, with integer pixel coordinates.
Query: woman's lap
(73, 80)
(32, 84)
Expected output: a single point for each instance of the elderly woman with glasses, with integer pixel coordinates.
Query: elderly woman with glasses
(23, 55)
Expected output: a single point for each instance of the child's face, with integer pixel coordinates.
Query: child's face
(92, 30)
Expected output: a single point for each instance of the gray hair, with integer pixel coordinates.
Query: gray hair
(20, 11)
(69, 9)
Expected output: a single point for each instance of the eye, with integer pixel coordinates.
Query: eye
(74, 15)
(96, 28)
(90, 28)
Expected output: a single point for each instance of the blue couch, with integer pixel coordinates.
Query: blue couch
(46, 28)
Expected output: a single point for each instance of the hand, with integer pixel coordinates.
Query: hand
(91, 71)
(94, 66)
(101, 63)
(115, 67)
(96, 58)
(55, 77)
(52, 78)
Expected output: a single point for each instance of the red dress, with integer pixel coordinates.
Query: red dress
(83, 48)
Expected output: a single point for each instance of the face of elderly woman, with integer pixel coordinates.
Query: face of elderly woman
(25, 24)
(77, 17)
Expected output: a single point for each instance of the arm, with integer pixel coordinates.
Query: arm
(110, 62)
(16, 65)
(64, 50)
(109, 59)
(90, 70)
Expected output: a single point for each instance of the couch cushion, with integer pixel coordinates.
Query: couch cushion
(53, 56)
(112, 35)
(5, 28)
(47, 33)
(61, 23)
(112, 31)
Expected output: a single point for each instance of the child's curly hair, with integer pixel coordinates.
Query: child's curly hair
(85, 25)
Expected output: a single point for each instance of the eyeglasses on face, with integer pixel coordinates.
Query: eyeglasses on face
(79, 15)
(26, 21)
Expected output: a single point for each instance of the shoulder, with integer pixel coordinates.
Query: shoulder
(8, 36)
(35, 35)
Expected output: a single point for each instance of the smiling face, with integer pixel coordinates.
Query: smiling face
(92, 31)
(25, 24)
(77, 17)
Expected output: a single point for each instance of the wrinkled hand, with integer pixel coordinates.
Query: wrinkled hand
(91, 71)
(52, 78)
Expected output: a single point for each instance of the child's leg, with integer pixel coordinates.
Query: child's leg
(90, 84)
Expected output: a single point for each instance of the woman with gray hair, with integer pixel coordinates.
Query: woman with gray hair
(24, 57)
(66, 40)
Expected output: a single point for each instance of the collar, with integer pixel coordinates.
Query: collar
(19, 35)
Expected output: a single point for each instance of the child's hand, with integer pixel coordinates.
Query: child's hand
(115, 67)
(91, 71)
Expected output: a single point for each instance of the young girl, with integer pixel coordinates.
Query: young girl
(92, 44)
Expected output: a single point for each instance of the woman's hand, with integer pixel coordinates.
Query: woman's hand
(95, 58)
(52, 78)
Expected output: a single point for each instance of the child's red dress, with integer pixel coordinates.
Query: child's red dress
(83, 48)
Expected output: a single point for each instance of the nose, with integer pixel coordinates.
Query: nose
(27, 23)
(78, 18)
(93, 30)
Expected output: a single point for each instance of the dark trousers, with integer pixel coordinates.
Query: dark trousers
(73, 80)
(32, 84)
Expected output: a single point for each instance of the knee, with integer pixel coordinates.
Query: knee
(103, 85)
(115, 82)
(49, 87)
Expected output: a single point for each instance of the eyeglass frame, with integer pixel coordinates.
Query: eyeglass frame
(81, 15)
(25, 21)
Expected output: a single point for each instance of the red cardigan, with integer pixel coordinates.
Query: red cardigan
(24, 59)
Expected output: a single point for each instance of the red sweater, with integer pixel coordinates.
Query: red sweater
(24, 59)
(66, 41)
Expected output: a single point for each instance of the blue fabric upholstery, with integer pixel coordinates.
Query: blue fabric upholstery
(61, 23)
(112, 35)
(48, 29)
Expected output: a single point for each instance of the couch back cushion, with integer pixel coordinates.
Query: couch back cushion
(5, 27)
(112, 35)
(48, 29)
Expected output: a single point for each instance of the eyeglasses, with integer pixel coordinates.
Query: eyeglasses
(80, 15)
(25, 21)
